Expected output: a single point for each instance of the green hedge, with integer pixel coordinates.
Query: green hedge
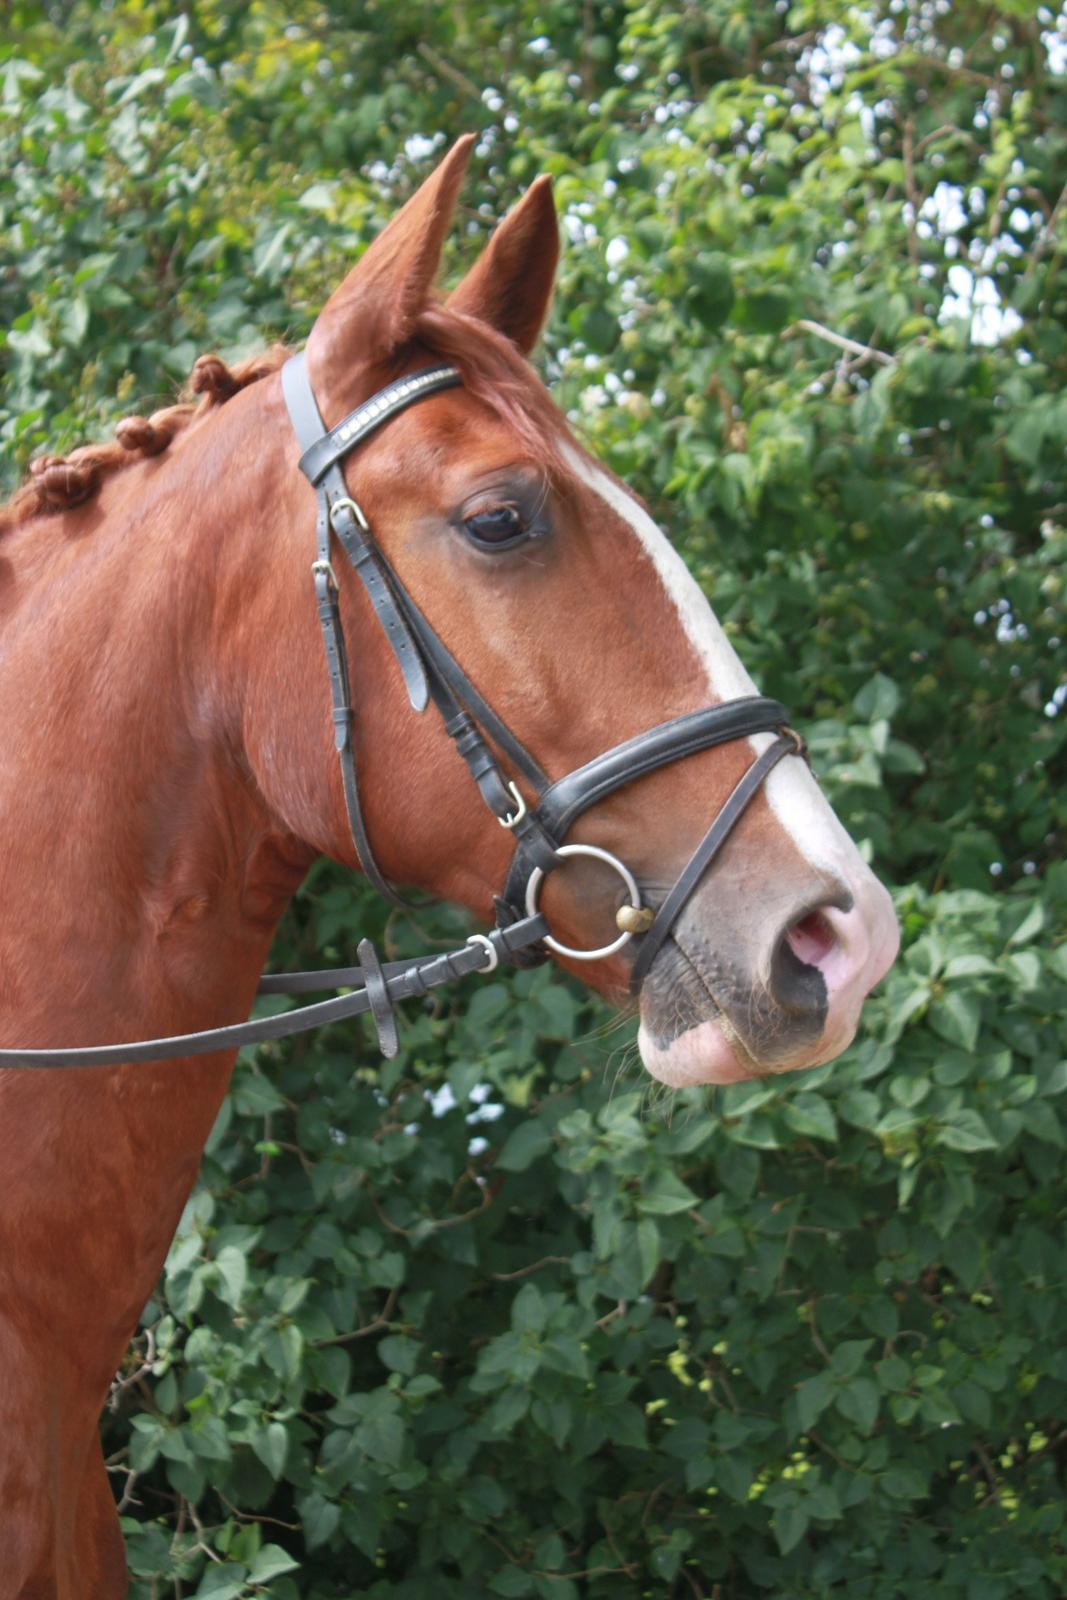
(801, 1340)
(498, 1318)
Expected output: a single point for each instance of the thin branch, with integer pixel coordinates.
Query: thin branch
(1047, 233)
(865, 351)
(119, 1385)
(619, 1311)
(524, 1272)
(938, 133)
(716, 1371)
(127, 1492)
(912, 210)
(688, 1576)
(253, 1516)
(630, 1571)
(380, 1321)
(434, 1223)
(447, 70)
(201, 1537)
(821, 1444)
(185, 1506)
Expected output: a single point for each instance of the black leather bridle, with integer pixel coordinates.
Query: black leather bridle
(431, 672)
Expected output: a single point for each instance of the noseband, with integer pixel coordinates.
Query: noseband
(430, 672)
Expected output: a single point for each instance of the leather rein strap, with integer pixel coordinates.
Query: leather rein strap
(431, 672)
(396, 980)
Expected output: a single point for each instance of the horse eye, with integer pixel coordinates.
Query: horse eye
(503, 525)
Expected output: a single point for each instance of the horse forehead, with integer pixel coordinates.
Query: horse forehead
(442, 443)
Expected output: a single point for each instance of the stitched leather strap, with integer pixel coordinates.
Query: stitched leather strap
(334, 516)
(442, 661)
(705, 853)
(368, 566)
(400, 980)
(323, 449)
(669, 741)
(563, 802)
(381, 1007)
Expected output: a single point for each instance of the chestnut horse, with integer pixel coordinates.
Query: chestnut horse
(169, 776)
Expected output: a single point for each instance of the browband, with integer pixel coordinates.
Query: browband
(320, 454)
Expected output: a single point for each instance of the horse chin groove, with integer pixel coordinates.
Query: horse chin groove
(710, 1053)
(684, 1039)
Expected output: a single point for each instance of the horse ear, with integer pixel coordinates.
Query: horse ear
(374, 310)
(510, 285)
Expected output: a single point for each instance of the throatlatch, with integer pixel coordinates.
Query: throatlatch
(430, 672)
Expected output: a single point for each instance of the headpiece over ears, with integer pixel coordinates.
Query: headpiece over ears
(375, 309)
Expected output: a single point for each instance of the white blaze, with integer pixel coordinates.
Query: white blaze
(792, 793)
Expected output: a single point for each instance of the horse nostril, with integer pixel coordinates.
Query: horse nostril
(811, 939)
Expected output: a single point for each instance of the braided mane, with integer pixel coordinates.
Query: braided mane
(58, 483)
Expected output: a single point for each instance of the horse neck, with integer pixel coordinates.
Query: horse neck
(142, 637)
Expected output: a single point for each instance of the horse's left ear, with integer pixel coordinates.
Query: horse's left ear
(375, 309)
(510, 285)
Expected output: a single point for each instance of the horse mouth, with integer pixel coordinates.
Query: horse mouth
(704, 1021)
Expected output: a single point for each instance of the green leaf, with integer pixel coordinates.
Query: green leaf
(233, 1269)
(529, 1313)
(566, 1355)
(13, 74)
(813, 1396)
(399, 1353)
(1030, 925)
(938, 1408)
(269, 258)
(956, 1016)
(269, 1562)
(1024, 967)
(665, 1195)
(76, 320)
(255, 1095)
(224, 1582)
(271, 1445)
(847, 1358)
(648, 1247)
(739, 1099)
(511, 1581)
(810, 1115)
(969, 966)
(284, 1351)
(210, 1440)
(381, 1437)
(790, 1523)
(523, 1146)
(148, 79)
(859, 1401)
(879, 698)
(965, 1130)
(860, 1107)
(320, 1518)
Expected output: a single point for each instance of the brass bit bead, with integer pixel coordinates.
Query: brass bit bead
(634, 919)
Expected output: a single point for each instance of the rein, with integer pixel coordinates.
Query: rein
(430, 671)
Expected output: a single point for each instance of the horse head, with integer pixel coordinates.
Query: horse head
(568, 609)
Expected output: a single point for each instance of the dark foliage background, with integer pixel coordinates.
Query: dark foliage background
(492, 1319)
